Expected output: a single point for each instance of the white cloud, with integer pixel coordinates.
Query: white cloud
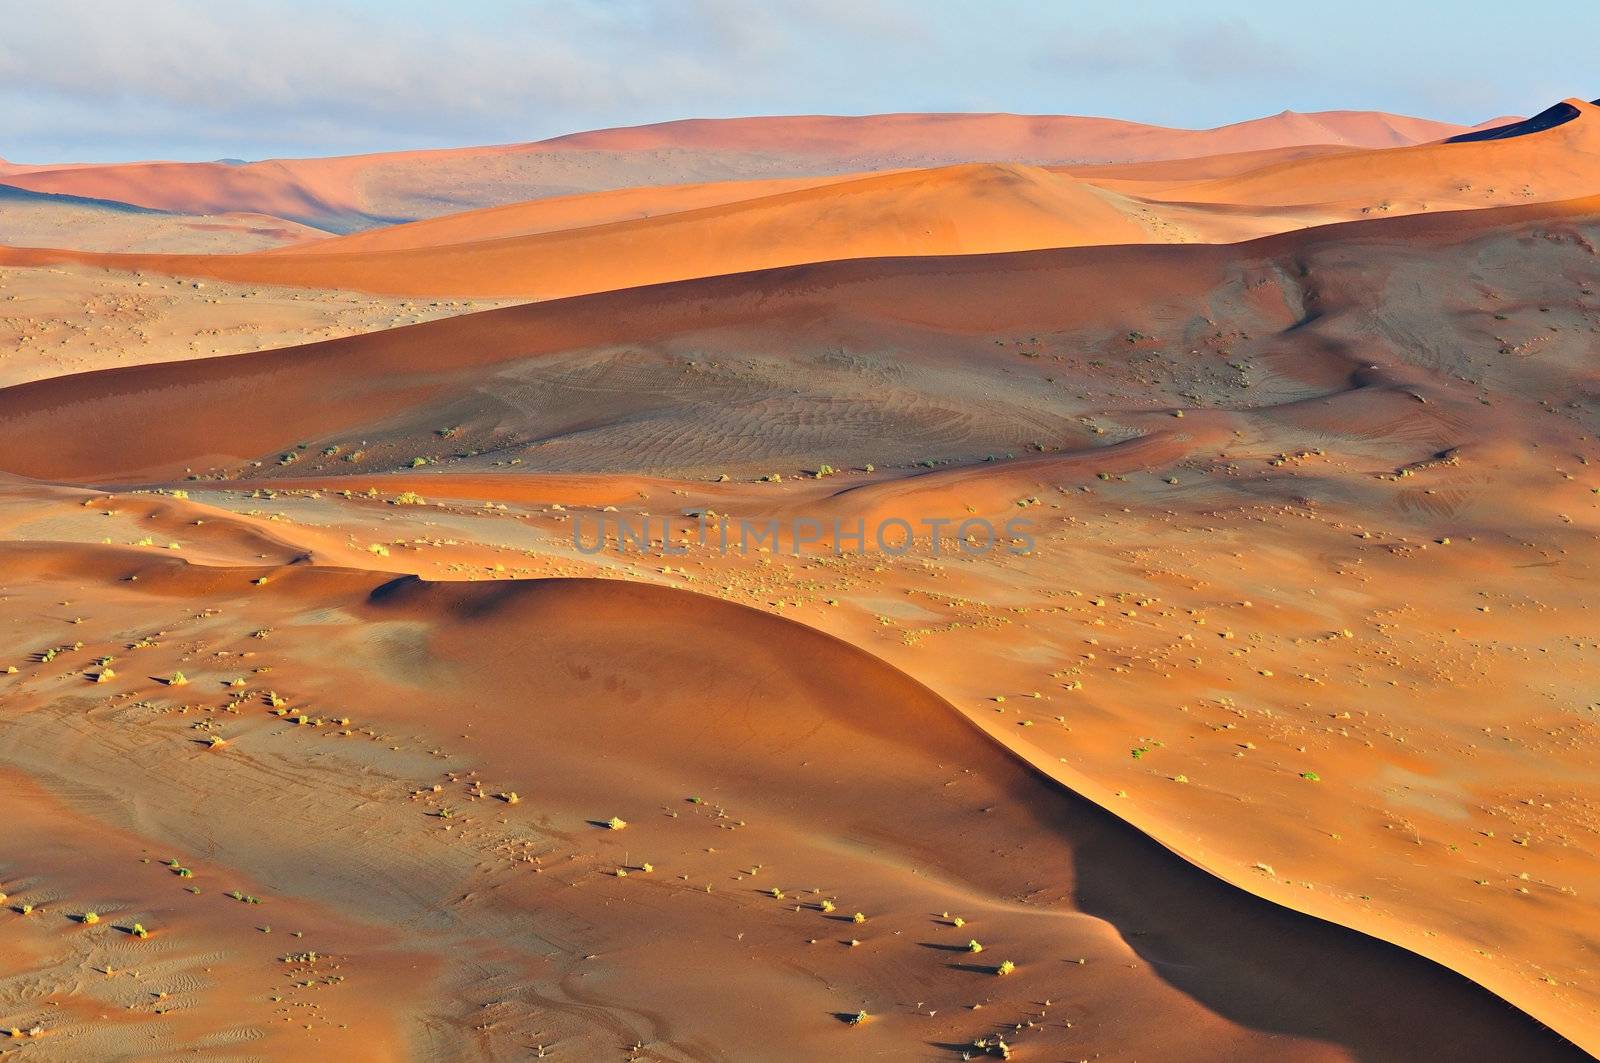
(201, 78)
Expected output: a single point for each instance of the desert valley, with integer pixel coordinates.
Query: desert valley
(326, 732)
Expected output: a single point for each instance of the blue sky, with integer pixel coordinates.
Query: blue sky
(202, 79)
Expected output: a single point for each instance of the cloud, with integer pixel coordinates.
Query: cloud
(364, 71)
(204, 78)
(1196, 50)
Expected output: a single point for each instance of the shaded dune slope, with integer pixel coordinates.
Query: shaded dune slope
(162, 420)
(1549, 118)
(121, 422)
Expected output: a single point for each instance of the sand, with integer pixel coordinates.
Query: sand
(576, 245)
(71, 318)
(356, 192)
(1277, 745)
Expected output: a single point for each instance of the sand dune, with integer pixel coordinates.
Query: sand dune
(559, 213)
(658, 341)
(925, 367)
(1553, 162)
(427, 369)
(572, 245)
(1554, 115)
(73, 318)
(849, 777)
(42, 219)
(1276, 743)
(309, 195)
(362, 191)
(1034, 138)
(955, 210)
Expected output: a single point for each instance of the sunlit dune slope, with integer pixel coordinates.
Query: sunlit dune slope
(586, 210)
(955, 210)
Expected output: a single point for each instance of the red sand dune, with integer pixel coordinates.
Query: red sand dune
(954, 210)
(1278, 748)
(558, 213)
(845, 773)
(1561, 162)
(1031, 138)
(115, 425)
(280, 189)
(560, 246)
(352, 192)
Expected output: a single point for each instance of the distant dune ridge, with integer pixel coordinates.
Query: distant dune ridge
(355, 192)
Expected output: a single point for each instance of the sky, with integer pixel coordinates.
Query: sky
(108, 80)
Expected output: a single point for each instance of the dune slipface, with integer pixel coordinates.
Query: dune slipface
(408, 648)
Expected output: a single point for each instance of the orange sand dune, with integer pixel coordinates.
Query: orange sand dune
(845, 782)
(557, 213)
(1561, 162)
(115, 424)
(572, 245)
(36, 219)
(1034, 138)
(955, 210)
(310, 195)
(360, 191)
(309, 392)
(1198, 167)
(1316, 517)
